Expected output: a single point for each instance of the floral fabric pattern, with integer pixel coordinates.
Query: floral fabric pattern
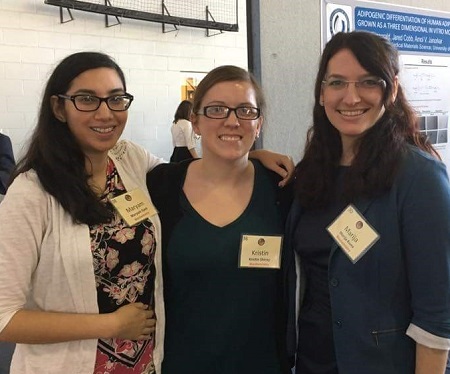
(123, 259)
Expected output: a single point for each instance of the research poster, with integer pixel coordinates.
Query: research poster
(422, 37)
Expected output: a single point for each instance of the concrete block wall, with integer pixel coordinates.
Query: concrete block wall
(33, 41)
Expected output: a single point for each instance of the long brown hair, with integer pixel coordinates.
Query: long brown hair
(53, 151)
(380, 149)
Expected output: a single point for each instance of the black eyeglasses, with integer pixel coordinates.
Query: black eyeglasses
(222, 111)
(90, 103)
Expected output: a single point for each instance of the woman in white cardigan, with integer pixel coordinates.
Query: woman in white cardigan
(80, 286)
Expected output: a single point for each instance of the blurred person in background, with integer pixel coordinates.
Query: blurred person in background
(7, 162)
(183, 137)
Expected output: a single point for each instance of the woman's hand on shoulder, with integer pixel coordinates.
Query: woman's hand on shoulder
(277, 162)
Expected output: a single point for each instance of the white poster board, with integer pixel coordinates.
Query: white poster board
(422, 37)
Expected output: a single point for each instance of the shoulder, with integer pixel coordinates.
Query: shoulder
(269, 180)
(4, 139)
(26, 192)
(5, 143)
(133, 155)
(266, 174)
(184, 124)
(164, 173)
(126, 148)
(28, 180)
(416, 155)
(270, 177)
(417, 163)
(421, 174)
(166, 179)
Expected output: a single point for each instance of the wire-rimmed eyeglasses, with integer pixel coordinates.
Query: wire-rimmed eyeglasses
(366, 84)
(223, 111)
(90, 103)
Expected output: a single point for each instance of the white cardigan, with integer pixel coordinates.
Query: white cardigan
(46, 264)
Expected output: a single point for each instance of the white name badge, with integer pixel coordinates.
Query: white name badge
(260, 251)
(353, 233)
(134, 206)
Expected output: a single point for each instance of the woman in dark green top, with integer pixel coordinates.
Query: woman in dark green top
(222, 232)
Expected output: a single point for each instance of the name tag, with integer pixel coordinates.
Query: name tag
(353, 233)
(134, 206)
(260, 251)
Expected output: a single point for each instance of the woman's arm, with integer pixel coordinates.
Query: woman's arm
(277, 162)
(24, 218)
(430, 360)
(426, 243)
(132, 321)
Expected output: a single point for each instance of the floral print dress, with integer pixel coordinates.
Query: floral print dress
(124, 273)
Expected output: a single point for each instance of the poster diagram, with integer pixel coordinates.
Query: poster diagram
(425, 80)
(422, 38)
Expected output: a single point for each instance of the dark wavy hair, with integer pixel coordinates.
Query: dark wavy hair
(53, 151)
(380, 149)
(227, 73)
(183, 111)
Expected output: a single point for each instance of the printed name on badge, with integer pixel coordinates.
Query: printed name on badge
(353, 233)
(260, 251)
(134, 206)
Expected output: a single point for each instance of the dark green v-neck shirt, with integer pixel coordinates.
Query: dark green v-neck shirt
(221, 318)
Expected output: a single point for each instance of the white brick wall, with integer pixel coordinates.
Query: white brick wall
(33, 41)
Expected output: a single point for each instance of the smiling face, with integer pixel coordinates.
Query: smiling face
(98, 131)
(228, 138)
(352, 110)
